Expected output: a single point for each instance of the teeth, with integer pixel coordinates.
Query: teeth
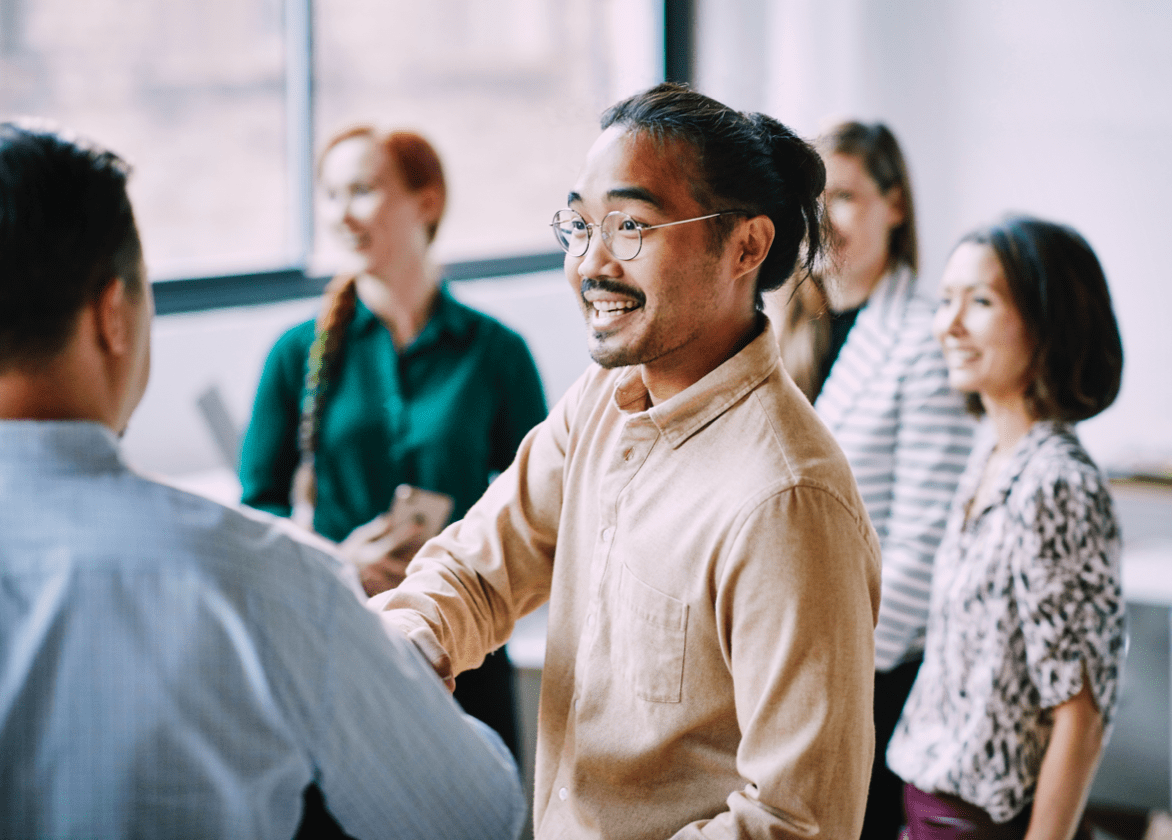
(609, 307)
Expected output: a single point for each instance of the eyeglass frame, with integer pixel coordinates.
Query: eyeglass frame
(639, 226)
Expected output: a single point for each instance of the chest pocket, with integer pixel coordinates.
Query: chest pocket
(653, 630)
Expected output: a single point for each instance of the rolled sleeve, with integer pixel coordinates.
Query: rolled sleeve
(1065, 574)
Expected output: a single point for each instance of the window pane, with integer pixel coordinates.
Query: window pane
(509, 92)
(191, 93)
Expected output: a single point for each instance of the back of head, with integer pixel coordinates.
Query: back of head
(66, 230)
(742, 161)
(1061, 292)
(879, 151)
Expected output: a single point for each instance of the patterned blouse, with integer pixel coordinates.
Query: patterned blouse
(1025, 592)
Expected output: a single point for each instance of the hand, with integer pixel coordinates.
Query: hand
(381, 552)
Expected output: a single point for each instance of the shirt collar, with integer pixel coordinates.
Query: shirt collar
(702, 402)
(450, 319)
(1023, 451)
(75, 446)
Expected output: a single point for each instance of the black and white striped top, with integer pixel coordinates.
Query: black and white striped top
(907, 437)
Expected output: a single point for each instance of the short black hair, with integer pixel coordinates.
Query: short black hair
(743, 161)
(66, 231)
(1061, 292)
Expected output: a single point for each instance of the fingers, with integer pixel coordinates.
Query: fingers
(382, 574)
(376, 539)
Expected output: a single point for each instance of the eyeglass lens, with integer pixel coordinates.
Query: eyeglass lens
(620, 233)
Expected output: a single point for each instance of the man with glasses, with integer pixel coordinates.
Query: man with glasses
(170, 667)
(712, 575)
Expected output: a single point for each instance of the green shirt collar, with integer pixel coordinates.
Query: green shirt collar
(450, 319)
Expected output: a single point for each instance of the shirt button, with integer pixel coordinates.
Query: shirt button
(608, 533)
(563, 794)
(627, 455)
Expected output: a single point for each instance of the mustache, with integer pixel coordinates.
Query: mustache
(604, 285)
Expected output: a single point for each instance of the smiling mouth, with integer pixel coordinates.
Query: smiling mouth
(607, 302)
(960, 357)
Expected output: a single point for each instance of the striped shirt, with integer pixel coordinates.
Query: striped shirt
(907, 438)
(170, 667)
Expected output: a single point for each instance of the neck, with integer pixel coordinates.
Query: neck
(63, 388)
(850, 291)
(405, 303)
(1010, 418)
(665, 378)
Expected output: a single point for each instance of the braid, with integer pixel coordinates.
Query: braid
(339, 303)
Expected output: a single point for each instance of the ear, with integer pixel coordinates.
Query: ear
(896, 208)
(753, 239)
(431, 202)
(112, 316)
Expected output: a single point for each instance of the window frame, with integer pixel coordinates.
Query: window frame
(202, 293)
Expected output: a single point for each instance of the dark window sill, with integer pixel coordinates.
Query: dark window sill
(200, 294)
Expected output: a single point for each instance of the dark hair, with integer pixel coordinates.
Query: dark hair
(743, 161)
(416, 160)
(66, 231)
(1060, 291)
(877, 148)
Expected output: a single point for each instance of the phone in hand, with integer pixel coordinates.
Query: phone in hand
(426, 509)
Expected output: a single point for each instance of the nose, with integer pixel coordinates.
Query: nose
(598, 261)
(955, 318)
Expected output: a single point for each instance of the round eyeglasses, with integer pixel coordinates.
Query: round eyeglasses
(621, 234)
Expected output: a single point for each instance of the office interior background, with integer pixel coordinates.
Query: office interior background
(1059, 108)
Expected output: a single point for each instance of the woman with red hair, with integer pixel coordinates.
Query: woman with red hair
(394, 383)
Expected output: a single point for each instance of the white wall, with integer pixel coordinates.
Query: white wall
(227, 348)
(1060, 108)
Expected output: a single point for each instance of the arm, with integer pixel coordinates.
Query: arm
(1067, 584)
(1067, 768)
(393, 750)
(933, 439)
(796, 607)
(466, 588)
(268, 455)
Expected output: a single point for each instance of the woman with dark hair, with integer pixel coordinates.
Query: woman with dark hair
(861, 328)
(394, 383)
(1005, 724)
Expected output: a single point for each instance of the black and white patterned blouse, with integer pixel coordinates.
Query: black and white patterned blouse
(1023, 593)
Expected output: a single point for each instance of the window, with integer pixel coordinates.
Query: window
(214, 105)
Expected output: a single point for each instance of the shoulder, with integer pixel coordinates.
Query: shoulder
(298, 337)
(805, 459)
(293, 344)
(1059, 478)
(916, 314)
(242, 546)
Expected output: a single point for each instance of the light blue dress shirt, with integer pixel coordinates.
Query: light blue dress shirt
(170, 667)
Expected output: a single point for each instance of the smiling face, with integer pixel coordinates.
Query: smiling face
(677, 307)
(366, 202)
(986, 343)
(862, 218)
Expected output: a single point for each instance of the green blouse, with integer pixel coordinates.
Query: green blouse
(445, 414)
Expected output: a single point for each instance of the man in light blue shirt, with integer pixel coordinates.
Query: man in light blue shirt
(170, 667)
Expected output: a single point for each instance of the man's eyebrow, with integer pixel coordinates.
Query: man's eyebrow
(641, 194)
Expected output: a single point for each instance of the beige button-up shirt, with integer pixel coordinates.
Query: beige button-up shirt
(713, 582)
